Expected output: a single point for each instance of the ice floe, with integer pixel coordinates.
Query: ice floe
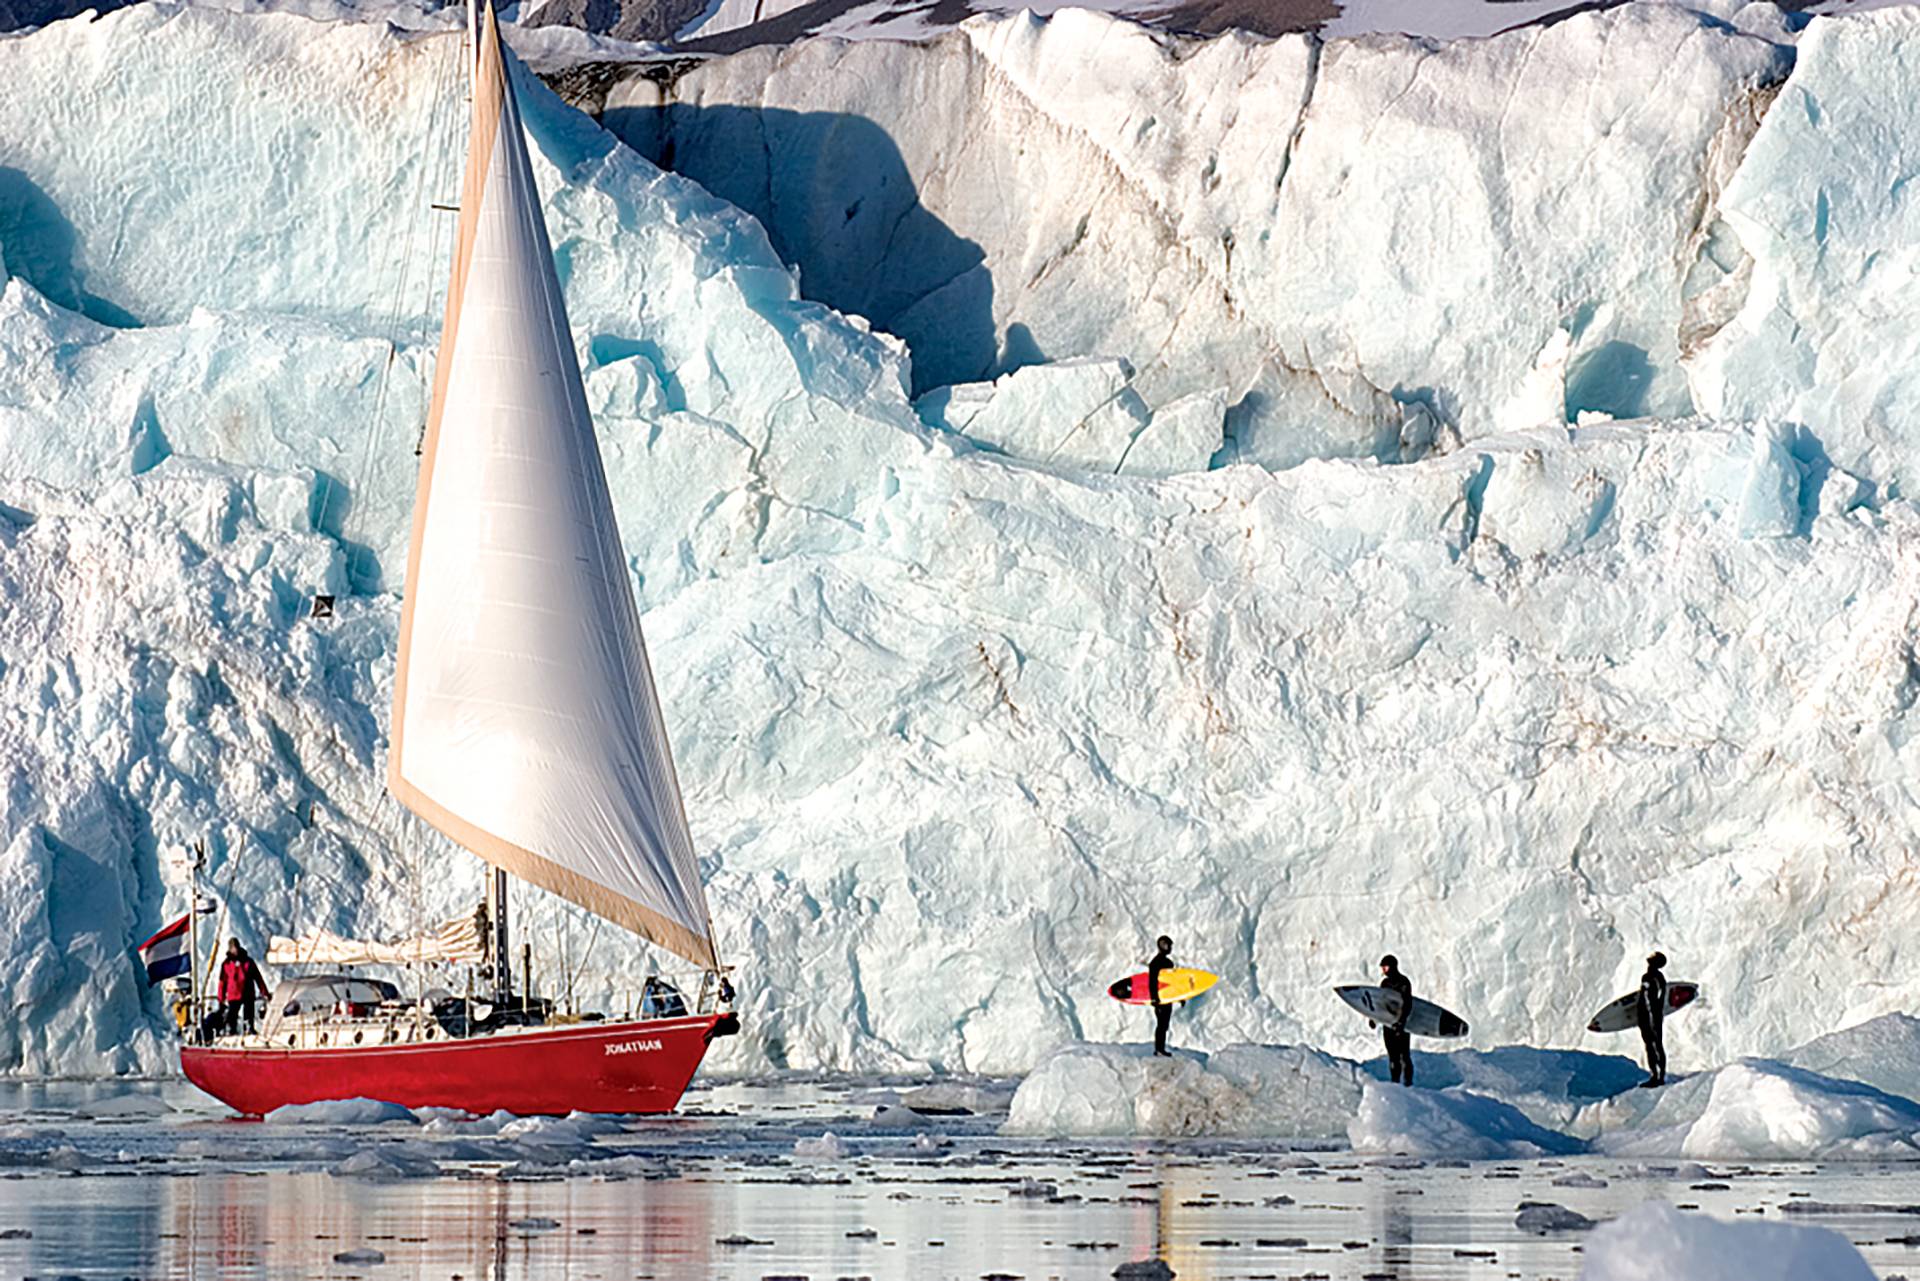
(340, 1112)
(1656, 1242)
(1758, 1110)
(1082, 1089)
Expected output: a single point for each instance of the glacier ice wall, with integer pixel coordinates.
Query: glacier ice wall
(1331, 233)
(1823, 205)
(959, 734)
(275, 167)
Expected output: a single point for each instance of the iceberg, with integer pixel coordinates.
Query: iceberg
(1655, 1240)
(1758, 1110)
(1087, 1090)
(1457, 1124)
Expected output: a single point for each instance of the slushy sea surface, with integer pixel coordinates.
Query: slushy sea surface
(718, 1191)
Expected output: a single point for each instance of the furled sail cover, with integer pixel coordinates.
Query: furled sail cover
(525, 722)
(462, 939)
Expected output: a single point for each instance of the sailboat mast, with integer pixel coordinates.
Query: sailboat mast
(502, 958)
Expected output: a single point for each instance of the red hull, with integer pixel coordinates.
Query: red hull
(599, 1067)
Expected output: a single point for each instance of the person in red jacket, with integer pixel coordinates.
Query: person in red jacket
(240, 985)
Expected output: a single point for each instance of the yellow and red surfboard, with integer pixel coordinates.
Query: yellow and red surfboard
(1176, 985)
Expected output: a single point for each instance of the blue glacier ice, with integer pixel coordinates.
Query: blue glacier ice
(961, 729)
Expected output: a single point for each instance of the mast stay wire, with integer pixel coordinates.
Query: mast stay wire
(431, 170)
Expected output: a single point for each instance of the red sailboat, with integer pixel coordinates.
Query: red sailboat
(525, 723)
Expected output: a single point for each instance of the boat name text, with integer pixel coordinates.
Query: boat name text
(632, 1047)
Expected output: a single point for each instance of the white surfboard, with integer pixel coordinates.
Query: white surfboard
(1382, 1005)
(1618, 1016)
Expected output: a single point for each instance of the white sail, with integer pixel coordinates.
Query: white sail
(525, 722)
(462, 939)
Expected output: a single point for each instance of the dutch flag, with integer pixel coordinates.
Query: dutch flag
(166, 953)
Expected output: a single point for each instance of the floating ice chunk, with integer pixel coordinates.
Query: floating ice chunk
(65, 1157)
(124, 1107)
(1761, 1110)
(1450, 1123)
(828, 1147)
(1093, 1089)
(577, 1129)
(452, 1116)
(340, 1112)
(1543, 1217)
(1655, 1242)
(1757, 1109)
(455, 1121)
(945, 1097)
(894, 1116)
(386, 1162)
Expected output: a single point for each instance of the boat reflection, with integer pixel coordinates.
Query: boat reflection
(236, 1224)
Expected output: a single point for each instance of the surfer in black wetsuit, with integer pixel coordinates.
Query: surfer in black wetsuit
(1648, 1011)
(1399, 1042)
(1162, 1012)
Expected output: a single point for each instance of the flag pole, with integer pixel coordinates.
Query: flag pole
(193, 938)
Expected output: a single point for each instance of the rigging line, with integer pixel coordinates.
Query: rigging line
(377, 433)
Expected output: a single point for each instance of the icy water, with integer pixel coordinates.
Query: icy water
(720, 1192)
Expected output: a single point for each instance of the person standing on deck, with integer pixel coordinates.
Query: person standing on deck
(1399, 1042)
(1649, 1011)
(240, 984)
(1162, 1011)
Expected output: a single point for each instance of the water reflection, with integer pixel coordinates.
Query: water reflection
(727, 1198)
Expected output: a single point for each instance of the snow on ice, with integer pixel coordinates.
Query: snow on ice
(964, 724)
